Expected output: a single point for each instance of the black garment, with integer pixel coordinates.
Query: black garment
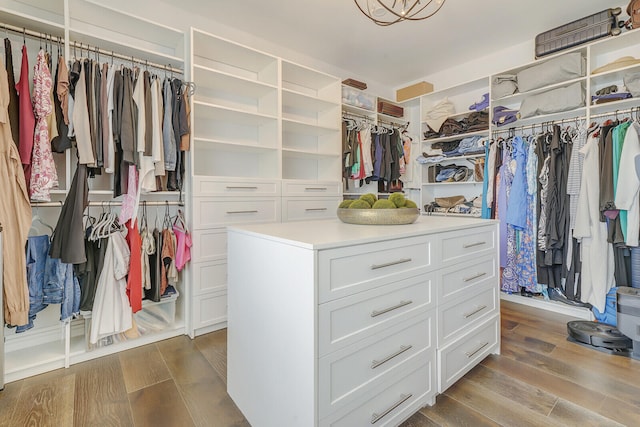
(396, 150)
(61, 142)
(97, 97)
(14, 108)
(67, 242)
(155, 264)
(573, 284)
(116, 120)
(148, 115)
(89, 271)
(606, 170)
(128, 121)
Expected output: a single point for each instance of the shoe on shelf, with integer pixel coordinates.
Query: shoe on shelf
(556, 294)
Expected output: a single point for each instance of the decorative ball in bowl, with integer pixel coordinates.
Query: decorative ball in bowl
(368, 210)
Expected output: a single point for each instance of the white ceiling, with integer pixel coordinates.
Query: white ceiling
(336, 32)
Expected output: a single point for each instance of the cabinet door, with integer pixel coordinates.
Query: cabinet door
(304, 208)
(216, 212)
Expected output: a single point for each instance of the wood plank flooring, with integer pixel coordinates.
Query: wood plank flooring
(540, 379)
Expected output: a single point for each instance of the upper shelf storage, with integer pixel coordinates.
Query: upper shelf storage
(46, 16)
(125, 34)
(297, 78)
(224, 56)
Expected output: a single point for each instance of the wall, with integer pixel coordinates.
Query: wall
(170, 14)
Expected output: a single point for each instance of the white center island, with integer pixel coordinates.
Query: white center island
(333, 324)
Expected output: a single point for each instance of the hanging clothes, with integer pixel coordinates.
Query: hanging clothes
(62, 142)
(597, 253)
(27, 118)
(134, 278)
(44, 176)
(111, 312)
(15, 217)
(626, 196)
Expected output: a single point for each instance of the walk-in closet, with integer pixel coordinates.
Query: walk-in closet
(328, 213)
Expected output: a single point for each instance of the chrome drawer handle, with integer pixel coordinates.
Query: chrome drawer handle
(315, 189)
(376, 313)
(315, 209)
(238, 187)
(477, 310)
(389, 264)
(403, 398)
(470, 245)
(470, 355)
(475, 276)
(240, 212)
(376, 363)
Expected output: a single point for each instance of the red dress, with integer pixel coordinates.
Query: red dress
(134, 281)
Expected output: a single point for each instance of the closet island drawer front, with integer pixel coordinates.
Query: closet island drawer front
(216, 212)
(347, 320)
(461, 278)
(348, 373)
(324, 189)
(209, 245)
(458, 358)
(463, 245)
(209, 276)
(301, 209)
(206, 186)
(456, 318)
(353, 269)
(386, 406)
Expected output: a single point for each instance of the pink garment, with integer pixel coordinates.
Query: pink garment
(27, 119)
(183, 246)
(44, 176)
(129, 200)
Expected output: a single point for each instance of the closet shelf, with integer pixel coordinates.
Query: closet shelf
(238, 85)
(393, 119)
(455, 158)
(484, 132)
(212, 143)
(430, 184)
(303, 101)
(611, 107)
(359, 111)
(555, 117)
(306, 128)
(207, 111)
(517, 97)
(293, 152)
(608, 77)
(453, 214)
(32, 23)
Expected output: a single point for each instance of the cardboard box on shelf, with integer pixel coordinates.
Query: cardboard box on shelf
(412, 91)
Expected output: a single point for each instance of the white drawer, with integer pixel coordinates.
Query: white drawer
(348, 270)
(209, 245)
(346, 320)
(216, 212)
(346, 374)
(459, 279)
(463, 245)
(209, 276)
(324, 188)
(458, 358)
(458, 317)
(389, 406)
(207, 186)
(209, 310)
(301, 209)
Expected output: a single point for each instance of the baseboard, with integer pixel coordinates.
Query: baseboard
(554, 306)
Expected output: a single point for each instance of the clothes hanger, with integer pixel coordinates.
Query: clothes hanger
(35, 220)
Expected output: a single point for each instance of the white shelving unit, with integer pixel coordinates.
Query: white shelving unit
(461, 96)
(266, 148)
(51, 344)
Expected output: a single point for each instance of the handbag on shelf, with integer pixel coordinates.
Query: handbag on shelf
(449, 202)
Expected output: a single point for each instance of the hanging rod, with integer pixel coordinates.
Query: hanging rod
(108, 203)
(33, 34)
(535, 125)
(112, 54)
(616, 112)
(109, 53)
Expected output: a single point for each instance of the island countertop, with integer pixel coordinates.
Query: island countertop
(332, 233)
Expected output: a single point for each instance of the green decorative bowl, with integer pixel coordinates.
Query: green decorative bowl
(378, 216)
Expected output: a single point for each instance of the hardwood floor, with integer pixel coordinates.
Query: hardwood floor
(540, 379)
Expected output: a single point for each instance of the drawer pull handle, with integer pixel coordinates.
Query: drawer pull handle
(239, 187)
(470, 245)
(376, 363)
(475, 276)
(389, 264)
(240, 212)
(470, 355)
(376, 313)
(403, 398)
(315, 189)
(477, 310)
(315, 209)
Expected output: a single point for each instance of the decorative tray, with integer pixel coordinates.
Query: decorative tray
(378, 216)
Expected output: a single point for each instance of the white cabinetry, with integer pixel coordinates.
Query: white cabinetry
(356, 325)
(266, 148)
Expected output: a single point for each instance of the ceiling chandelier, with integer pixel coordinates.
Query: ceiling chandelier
(387, 12)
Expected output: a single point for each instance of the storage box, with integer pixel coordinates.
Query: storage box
(390, 109)
(356, 98)
(156, 316)
(414, 90)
